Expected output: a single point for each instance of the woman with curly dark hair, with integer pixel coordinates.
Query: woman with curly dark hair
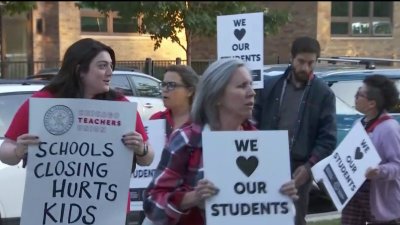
(378, 199)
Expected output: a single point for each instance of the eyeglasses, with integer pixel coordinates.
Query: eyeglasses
(359, 94)
(171, 85)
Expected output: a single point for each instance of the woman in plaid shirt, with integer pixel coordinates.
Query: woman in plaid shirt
(224, 101)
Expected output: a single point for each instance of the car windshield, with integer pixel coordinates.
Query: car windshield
(9, 104)
(343, 108)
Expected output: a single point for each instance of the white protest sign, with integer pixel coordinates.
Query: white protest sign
(343, 172)
(80, 172)
(142, 176)
(255, 166)
(242, 36)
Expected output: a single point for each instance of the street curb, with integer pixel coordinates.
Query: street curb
(323, 216)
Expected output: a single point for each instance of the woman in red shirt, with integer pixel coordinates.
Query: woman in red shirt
(178, 89)
(85, 73)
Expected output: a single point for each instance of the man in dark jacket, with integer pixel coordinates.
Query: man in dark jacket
(304, 105)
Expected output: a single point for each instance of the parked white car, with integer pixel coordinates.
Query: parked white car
(12, 178)
(138, 87)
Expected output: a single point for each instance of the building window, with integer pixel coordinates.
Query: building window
(93, 24)
(123, 26)
(362, 19)
(93, 21)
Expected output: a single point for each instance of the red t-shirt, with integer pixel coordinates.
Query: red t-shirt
(20, 122)
(169, 122)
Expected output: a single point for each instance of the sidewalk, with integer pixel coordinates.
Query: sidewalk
(323, 216)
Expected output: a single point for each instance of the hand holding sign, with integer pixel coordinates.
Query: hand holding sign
(372, 172)
(205, 189)
(301, 175)
(290, 190)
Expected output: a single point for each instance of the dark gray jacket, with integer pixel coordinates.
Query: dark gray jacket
(314, 136)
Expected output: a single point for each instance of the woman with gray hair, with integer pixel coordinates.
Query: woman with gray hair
(223, 102)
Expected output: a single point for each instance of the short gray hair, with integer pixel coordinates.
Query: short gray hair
(210, 90)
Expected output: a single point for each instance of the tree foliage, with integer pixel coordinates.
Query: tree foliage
(13, 7)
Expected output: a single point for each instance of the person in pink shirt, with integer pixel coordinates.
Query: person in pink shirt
(378, 200)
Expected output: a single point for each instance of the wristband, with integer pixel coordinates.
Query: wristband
(145, 150)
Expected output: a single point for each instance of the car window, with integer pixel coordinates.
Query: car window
(147, 87)
(121, 83)
(9, 104)
(345, 90)
(343, 108)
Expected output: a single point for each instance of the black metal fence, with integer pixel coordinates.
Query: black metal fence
(156, 68)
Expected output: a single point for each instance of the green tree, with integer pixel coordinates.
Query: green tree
(11, 8)
(166, 19)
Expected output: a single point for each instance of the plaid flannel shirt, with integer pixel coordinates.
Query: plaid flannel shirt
(178, 171)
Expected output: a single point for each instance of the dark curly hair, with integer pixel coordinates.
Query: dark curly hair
(383, 91)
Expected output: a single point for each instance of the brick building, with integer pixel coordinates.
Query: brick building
(369, 29)
(44, 34)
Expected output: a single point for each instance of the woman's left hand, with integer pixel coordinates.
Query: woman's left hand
(371, 173)
(290, 190)
(134, 140)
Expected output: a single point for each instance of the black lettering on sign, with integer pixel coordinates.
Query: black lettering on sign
(241, 22)
(364, 146)
(243, 145)
(250, 187)
(254, 208)
(240, 47)
(75, 212)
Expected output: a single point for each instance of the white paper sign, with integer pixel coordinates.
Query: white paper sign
(142, 176)
(80, 172)
(242, 36)
(249, 168)
(343, 172)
